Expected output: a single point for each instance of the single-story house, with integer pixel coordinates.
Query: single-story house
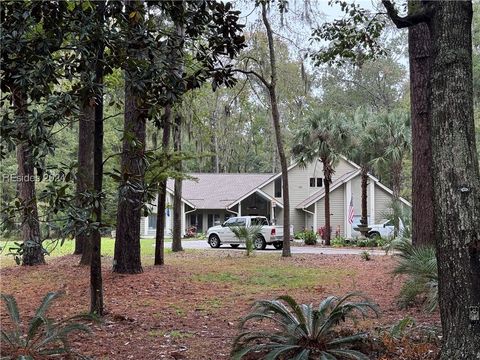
(212, 198)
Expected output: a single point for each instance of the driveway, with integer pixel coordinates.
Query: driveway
(202, 245)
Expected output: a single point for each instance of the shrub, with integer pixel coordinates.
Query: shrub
(247, 234)
(419, 263)
(366, 255)
(339, 241)
(310, 238)
(302, 331)
(43, 337)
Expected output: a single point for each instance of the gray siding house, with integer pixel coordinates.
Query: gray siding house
(212, 198)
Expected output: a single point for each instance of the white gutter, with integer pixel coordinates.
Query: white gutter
(233, 212)
(308, 211)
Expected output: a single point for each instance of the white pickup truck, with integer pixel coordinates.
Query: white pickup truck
(384, 229)
(222, 234)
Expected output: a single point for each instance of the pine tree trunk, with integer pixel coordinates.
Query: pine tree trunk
(456, 178)
(31, 236)
(278, 134)
(127, 243)
(177, 197)
(96, 283)
(422, 182)
(364, 185)
(162, 195)
(86, 128)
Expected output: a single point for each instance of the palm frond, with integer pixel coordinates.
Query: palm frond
(301, 327)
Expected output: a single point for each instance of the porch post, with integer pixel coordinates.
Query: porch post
(183, 220)
(240, 208)
(145, 230)
(371, 197)
(348, 196)
(272, 211)
(315, 217)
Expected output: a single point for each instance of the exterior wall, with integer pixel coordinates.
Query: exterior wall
(337, 212)
(299, 188)
(146, 231)
(269, 189)
(383, 200)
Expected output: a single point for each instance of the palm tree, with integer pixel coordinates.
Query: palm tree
(324, 136)
(364, 148)
(394, 132)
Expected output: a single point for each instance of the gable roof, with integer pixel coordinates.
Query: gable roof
(321, 193)
(341, 180)
(217, 191)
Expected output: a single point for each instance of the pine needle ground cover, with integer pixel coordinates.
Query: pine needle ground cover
(191, 307)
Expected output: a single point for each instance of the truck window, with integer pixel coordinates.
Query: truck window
(259, 221)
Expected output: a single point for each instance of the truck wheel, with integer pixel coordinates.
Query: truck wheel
(278, 245)
(373, 234)
(260, 243)
(214, 241)
(234, 245)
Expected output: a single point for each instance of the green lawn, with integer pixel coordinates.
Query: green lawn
(56, 249)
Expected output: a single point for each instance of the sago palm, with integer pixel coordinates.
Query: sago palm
(302, 331)
(43, 337)
(324, 136)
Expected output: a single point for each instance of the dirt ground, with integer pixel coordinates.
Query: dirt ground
(189, 308)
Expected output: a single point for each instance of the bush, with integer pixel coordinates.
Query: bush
(301, 331)
(309, 237)
(366, 255)
(339, 241)
(43, 337)
(419, 263)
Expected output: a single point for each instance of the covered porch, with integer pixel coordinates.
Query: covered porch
(257, 203)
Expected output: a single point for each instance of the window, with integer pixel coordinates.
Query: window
(213, 219)
(278, 187)
(231, 222)
(316, 182)
(259, 221)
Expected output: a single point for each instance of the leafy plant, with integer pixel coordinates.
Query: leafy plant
(309, 237)
(339, 241)
(399, 329)
(366, 255)
(302, 331)
(247, 234)
(43, 337)
(419, 263)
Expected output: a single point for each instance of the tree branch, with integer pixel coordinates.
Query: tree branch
(254, 73)
(402, 22)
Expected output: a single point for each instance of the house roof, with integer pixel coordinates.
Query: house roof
(216, 191)
(321, 193)
(341, 180)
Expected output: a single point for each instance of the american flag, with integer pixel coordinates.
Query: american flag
(351, 212)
